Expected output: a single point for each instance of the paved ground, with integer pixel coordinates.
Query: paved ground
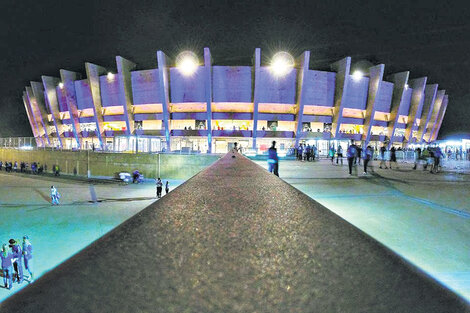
(58, 232)
(421, 216)
(235, 238)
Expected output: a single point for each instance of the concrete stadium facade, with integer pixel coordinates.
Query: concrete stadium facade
(162, 109)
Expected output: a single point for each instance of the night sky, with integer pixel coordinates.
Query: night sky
(429, 38)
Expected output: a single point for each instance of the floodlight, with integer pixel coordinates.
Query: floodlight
(357, 75)
(406, 86)
(61, 85)
(282, 63)
(187, 62)
(110, 76)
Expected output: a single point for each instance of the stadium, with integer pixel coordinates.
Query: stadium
(193, 106)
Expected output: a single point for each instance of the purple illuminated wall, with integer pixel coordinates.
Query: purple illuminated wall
(319, 88)
(145, 87)
(187, 88)
(84, 99)
(277, 90)
(111, 94)
(231, 83)
(356, 95)
(384, 97)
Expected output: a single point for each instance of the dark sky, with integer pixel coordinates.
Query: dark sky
(429, 38)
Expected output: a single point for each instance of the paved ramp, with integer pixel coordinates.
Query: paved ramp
(235, 238)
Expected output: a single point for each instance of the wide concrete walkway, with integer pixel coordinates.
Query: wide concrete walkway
(423, 217)
(234, 238)
(59, 232)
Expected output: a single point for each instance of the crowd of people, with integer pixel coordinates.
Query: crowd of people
(24, 167)
(428, 158)
(14, 257)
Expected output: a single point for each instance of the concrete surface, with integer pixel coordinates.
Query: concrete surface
(421, 216)
(59, 232)
(234, 238)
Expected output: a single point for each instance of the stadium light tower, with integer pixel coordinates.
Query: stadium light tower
(281, 64)
(187, 63)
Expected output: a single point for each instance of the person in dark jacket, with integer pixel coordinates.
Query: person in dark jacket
(273, 160)
(367, 156)
(167, 187)
(17, 259)
(393, 157)
(351, 154)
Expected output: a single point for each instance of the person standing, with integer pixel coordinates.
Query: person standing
(17, 257)
(417, 157)
(159, 184)
(7, 266)
(28, 257)
(367, 156)
(273, 160)
(382, 157)
(235, 148)
(339, 154)
(393, 157)
(167, 187)
(351, 154)
(54, 196)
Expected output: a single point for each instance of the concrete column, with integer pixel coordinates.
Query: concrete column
(435, 112)
(400, 81)
(304, 64)
(342, 69)
(68, 78)
(40, 107)
(164, 95)
(376, 74)
(208, 94)
(440, 118)
(93, 73)
(417, 100)
(256, 78)
(430, 92)
(34, 115)
(125, 85)
(32, 123)
(50, 84)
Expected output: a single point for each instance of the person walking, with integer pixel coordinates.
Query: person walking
(351, 154)
(367, 156)
(437, 158)
(17, 258)
(167, 187)
(28, 257)
(359, 155)
(331, 153)
(273, 160)
(55, 196)
(314, 152)
(382, 157)
(159, 184)
(339, 154)
(7, 266)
